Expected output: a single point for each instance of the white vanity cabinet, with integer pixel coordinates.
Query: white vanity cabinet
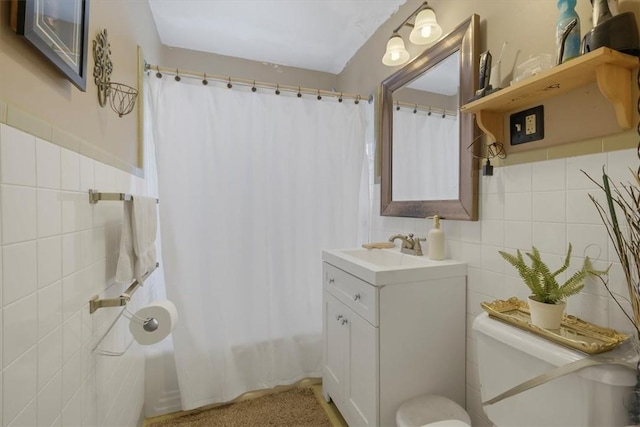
(396, 335)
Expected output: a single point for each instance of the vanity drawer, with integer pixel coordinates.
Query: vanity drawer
(356, 294)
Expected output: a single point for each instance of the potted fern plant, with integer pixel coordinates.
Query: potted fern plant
(547, 301)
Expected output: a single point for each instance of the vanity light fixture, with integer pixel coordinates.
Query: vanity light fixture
(425, 30)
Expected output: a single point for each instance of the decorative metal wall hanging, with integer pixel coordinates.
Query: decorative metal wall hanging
(103, 66)
(121, 97)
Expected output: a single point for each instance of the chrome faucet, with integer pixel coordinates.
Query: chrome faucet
(410, 245)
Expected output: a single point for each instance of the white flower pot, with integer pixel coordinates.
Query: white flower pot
(548, 316)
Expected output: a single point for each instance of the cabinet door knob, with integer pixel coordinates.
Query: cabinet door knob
(356, 297)
(344, 321)
(331, 280)
(339, 316)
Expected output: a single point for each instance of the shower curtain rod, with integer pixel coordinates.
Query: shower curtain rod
(426, 108)
(254, 84)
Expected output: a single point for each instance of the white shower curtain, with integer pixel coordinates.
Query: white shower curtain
(252, 186)
(426, 162)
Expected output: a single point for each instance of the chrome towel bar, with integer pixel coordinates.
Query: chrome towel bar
(95, 196)
(95, 303)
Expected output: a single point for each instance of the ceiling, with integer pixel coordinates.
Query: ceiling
(320, 35)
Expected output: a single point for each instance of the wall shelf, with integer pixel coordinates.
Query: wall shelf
(609, 68)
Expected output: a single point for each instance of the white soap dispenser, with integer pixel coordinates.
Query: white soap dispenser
(435, 240)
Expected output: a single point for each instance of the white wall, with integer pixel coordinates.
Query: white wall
(545, 204)
(57, 252)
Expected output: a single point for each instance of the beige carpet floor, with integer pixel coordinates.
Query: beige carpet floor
(293, 407)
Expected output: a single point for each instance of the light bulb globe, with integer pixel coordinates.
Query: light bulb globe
(426, 29)
(396, 53)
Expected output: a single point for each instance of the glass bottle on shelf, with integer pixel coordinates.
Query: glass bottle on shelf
(572, 42)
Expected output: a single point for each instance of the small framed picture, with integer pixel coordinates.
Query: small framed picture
(59, 30)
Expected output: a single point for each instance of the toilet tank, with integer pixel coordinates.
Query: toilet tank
(508, 356)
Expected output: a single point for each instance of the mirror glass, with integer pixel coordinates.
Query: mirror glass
(426, 134)
(427, 166)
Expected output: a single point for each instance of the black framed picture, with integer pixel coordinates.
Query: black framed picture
(59, 30)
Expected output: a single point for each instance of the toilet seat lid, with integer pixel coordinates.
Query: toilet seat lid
(447, 423)
(431, 410)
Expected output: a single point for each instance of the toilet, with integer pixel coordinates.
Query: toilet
(433, 411)
(507, 357)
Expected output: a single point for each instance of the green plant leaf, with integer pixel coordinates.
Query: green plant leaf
(567, 260)
(542, 282)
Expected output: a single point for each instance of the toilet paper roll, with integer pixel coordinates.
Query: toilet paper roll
(164, 312)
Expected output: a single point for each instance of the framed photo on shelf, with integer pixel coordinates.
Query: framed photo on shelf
(59, 30)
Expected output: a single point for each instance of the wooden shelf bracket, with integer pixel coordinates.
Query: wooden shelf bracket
(615, 84)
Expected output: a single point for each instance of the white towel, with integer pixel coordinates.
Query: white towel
(144, 226)
(127, 257)
(137, 242)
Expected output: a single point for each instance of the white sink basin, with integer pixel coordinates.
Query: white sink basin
(387, 266)
(384, 257)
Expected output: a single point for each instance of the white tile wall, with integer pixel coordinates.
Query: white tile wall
(545, 204)
(19, 274)
(49, 260)
(50, 401)
(47, 164)
(17, 157)
(56, 252)
(19, 214)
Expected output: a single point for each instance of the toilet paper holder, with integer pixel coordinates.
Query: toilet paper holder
(95, 303)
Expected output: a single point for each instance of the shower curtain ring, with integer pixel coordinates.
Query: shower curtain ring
(158, 74)
(415, 109)
(205, 81)
(397, 105)
(340, 98)
(357, 101)
(177, 77)
(253, 88)
(429, 113)
(444, 113)
(299, 94)
(229, 85)
(277, 89)
(319, 97)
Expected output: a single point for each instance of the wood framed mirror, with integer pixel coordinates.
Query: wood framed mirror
(426, 170)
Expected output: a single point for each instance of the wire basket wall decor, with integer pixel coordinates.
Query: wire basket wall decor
(122, 98)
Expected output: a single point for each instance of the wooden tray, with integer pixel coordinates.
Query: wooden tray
(574, 333)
